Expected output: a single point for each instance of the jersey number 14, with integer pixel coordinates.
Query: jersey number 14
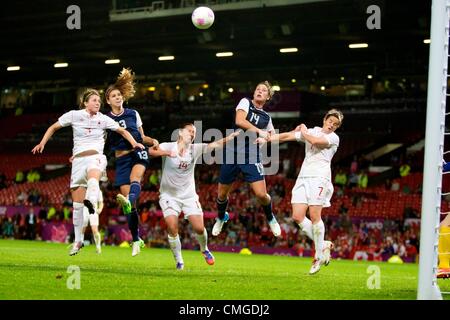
(254, 118)
(183, 165)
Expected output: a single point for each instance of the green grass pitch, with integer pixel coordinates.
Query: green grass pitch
(39, 270)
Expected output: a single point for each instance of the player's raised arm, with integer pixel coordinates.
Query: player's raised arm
(219, 143)
(48, 134)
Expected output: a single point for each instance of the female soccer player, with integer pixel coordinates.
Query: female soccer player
(249, 116)
(177, 189)
(314, 188)
(130, 163)
(89, 128)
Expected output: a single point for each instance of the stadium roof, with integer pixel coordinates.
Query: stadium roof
(35, 37)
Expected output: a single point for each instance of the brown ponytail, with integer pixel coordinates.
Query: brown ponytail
(124, 83)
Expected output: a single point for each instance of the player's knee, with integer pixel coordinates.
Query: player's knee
(199, 229)
(262, 197)
(222, 195)
(297, 219)
(92, 186)
(315, 219)
(172, 231)
(173, 234)
(92, 182)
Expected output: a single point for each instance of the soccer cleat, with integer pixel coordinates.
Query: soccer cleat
(137, 245)
(98, 249)
(88, 204)
(275, 227)
(209, 258)
(180, 265)
(328, 246)
(219, 224)
(76, 248)
(125, 203)
(136, 249)
(315, 266)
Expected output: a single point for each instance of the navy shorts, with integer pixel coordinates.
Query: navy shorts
(252, 172)
(125, 163)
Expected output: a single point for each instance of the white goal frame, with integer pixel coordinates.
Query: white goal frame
(428, 288)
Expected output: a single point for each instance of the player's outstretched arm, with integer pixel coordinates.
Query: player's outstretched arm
(48, 134)
(124, 133)
(280, 137)
(219, 143)
(283, 137)
(156, 151)
(319, 142)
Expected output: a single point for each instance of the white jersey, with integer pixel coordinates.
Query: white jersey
(88, 131)
(317, 162)
(177, 179)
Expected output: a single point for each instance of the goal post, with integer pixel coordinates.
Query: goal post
(434, 145)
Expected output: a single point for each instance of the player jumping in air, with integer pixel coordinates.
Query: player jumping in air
(245, 158)
(177, 189)
(130, 163)
(314, 188)
(89, 130)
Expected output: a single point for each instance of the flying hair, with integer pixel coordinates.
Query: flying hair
(124, 83)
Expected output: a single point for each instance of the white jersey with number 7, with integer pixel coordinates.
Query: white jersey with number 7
(317, 162)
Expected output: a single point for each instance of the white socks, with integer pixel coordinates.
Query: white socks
(306, 227)
(93, 189)
(175, 246)
(97, 239)
(319, 234)
(77, 219)
(203, 240)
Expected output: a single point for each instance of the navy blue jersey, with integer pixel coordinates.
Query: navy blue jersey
(257, 117)
(244, 147)
(130, 120)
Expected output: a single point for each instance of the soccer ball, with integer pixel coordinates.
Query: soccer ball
(203, 17)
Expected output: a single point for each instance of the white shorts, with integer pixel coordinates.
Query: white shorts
(81, 166)
(172, 207)
(313, 192)
(91, 219)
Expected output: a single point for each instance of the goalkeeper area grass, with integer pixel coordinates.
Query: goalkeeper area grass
(40, 270)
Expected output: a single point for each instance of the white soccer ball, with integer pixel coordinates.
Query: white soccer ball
(203, 17)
